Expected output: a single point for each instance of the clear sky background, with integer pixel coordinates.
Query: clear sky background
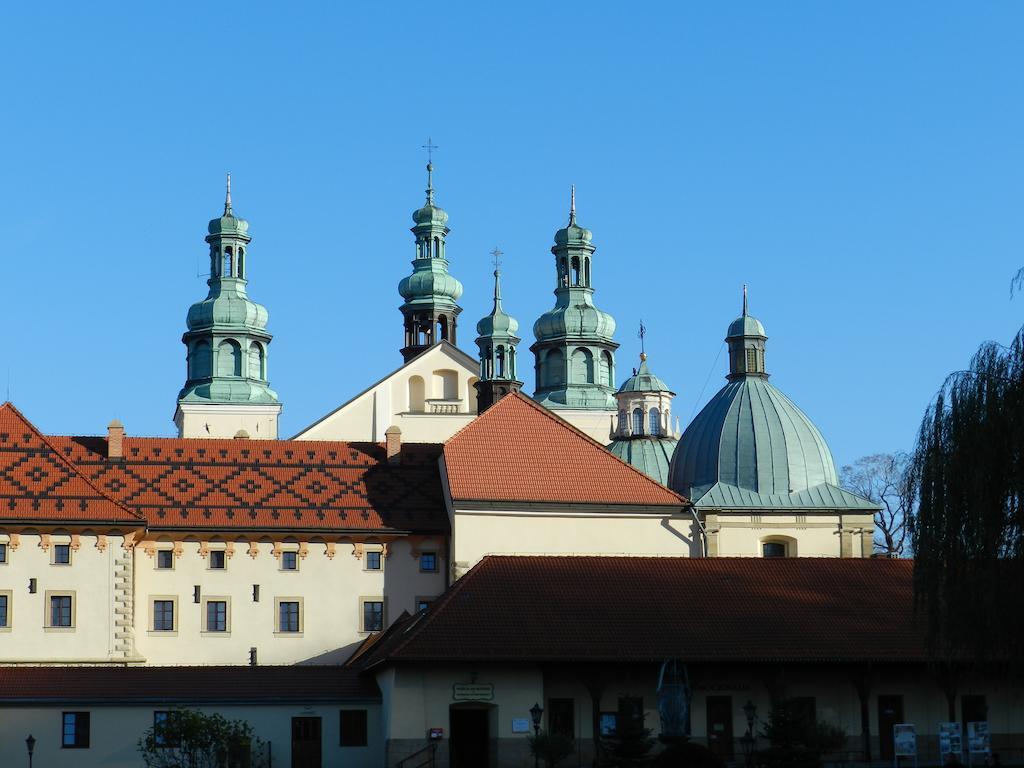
(859, 164)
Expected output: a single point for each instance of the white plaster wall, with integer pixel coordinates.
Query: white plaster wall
(596, 424)
(477, 533)
(330, 591)
(225, 421)
(365, 418)
(90, 577)
(816, 535)
(114, 733)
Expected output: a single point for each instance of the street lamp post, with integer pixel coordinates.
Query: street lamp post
(536, 712)
(30, 742)
(749, 739)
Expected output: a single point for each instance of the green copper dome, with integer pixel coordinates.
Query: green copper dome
(498, 323)
(643, 380)
(430, 281)
(750, 436)
(227, 305)
(651, 455)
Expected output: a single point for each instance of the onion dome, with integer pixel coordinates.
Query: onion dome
(429, 280)
(750, 436)
(498, 323)
(229, 307)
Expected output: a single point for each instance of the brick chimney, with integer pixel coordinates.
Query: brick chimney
(115, 440)
(393, 441)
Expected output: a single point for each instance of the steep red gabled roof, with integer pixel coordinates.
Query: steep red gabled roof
(518, 450)
(266, 484)
(643, 609)
(39, 484)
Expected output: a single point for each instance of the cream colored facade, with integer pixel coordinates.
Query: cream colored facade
(803, 534)
(481, 529)
(597, 425)
(259, 422)
(430, 398)
(114, 731)
(418, 698)
(113, 582)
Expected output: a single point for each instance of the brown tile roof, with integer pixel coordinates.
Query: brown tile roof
(183, 685)
(267, 484)
(39, 483)
(518, 450)
(567, 609)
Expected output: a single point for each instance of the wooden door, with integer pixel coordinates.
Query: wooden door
(306, 742)
(890, 712)
(719, 717)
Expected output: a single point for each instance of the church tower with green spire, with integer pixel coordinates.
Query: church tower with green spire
(575, 351)
(226, 392)
(497, 341)
(430, 311)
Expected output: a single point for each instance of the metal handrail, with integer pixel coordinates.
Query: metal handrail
(428, 753)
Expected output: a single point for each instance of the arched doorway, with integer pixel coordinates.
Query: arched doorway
(470, 743)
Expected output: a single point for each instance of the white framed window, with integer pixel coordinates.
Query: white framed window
(74, 730)
(3, 553)
(163, 614)
(60, 611)
(654, 418)
(216, 615)
(290, 560)
(164, 560)
(638, 421)
(778, 546)
(60, 554)
(218, 560)
(428, 562)
(288, 616)
(373, 560)
(371, 614)
(6, 610)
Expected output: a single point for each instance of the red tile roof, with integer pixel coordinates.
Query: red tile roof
(518, 450)
(39, 483)
(267, 484)
(565, 609)
(183, 685)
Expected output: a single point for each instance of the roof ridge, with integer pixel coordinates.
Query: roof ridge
(70, 464)
(559, 420)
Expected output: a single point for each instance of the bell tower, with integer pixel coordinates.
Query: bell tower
(497, 341)
(430, 312)
(226, 390)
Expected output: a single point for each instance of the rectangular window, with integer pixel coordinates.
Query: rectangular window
(288, 616)
(5, 611)
(428, 562)
(217, 560)
(216, 615)
(3, 552)
(373, 615)
(75, 730)
(163, 615)
(164, 729)
(422, 603)
(62, 554)
(289, 561)
(373, 561)
(353, 728)
(165, 559)
(60, 611)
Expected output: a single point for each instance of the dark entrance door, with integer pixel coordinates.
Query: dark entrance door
(562, 717)
(306, 742)
(720, 726)
(890, 712)
(470, 739)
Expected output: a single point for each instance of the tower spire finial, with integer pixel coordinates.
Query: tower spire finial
(496, 255)
(744, 299)
(227, 197)
(430, 146)
(642, 334)
(572, 206)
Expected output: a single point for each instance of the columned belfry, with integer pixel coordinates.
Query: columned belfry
(575, 351)
(226, 392)
(430, 292)
(497, 341)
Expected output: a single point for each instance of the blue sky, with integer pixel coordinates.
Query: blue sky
(859, 165)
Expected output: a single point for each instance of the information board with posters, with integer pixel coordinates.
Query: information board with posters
(951, 741)
(904, 737)
(979, 741)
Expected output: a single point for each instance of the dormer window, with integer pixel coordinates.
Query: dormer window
(655, 421)
(638, 421)
(752, 361)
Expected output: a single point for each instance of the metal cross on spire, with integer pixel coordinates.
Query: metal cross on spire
(496, 255)
(227, 197)
(572, 206)
(642, 334)
(744, 299)
(430, 146)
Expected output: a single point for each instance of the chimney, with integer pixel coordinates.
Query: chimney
(393, 441)
(115, 440)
